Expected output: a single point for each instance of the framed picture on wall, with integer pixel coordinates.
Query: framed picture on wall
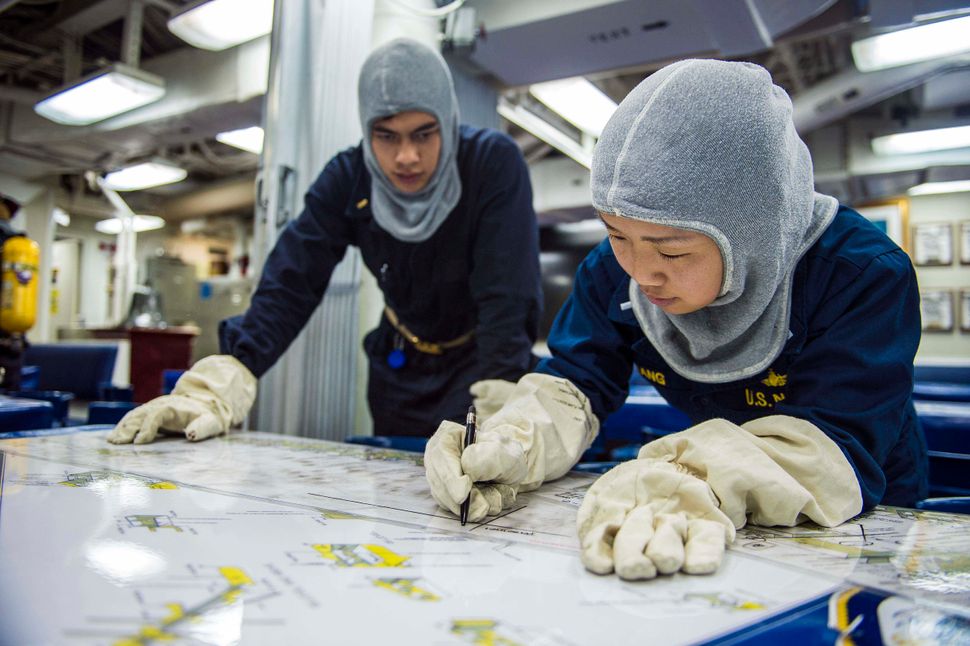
(965, 310)
(891, 216)
(936, 310)
(965, 242)
(933, 244)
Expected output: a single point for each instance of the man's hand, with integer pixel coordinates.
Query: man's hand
(214, 394)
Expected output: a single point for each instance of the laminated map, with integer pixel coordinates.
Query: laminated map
(266, 538)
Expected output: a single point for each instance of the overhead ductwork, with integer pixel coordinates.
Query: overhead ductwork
(851, 91)
(544, 40)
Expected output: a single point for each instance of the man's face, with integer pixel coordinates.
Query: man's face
(678, 271)
(407, 146)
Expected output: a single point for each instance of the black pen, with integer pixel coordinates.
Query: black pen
(469, 440)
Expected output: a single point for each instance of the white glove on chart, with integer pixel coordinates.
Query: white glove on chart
(645, 517)
(489, 395)
(214, 394)
(538, 435)
(696, 486)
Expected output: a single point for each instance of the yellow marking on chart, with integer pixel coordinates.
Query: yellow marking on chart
(842, 621)
(148, 634)
(849, 550)
(234, 576)
(152, 523)
(407, 588)
(719, 600)
(360, 555)
(480, 632)
(88, 478)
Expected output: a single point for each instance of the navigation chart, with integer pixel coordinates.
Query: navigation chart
(291, 540)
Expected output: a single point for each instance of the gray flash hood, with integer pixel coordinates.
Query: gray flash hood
(399, 76)
(710, 146)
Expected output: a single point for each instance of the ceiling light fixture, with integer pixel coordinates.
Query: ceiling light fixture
(922, 141)
(140, 223)
(913, 45)
(577, 101)
(61, 217)
(546, 132)
(145, 175)
(931, 188)
(249, 139)
(112, 90)
(219, 24)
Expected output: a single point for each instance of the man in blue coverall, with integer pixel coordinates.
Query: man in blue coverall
(784, 324)
(442, 214)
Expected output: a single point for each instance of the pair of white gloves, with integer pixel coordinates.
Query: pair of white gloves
(673, 508)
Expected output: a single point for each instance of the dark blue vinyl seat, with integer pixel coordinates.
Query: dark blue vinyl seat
(81, 369)
(59, 400)
(950, 505)
(400, 443)
(18, 414)
(935, 382)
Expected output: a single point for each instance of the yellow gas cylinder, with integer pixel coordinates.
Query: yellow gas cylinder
(18, 284)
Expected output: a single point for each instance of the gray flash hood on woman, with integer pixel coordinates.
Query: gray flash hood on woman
(399, 76)
(710, 146)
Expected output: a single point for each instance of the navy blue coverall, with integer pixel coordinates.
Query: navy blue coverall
(847, 366)
(479, 272)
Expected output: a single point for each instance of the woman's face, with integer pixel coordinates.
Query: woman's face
(679, 271)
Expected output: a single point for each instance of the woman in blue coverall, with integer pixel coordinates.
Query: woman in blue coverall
(784, 324)
(442, 214)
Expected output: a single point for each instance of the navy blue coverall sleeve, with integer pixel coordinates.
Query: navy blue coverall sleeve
(587, 347)
(853, 377)
(294, 278)
(504, 280)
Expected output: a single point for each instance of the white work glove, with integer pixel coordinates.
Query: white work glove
(489, 395)
(538, 435)
(775, 470)
(216, 393)
(645, 517)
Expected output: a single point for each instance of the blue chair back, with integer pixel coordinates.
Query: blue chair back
(81, 369)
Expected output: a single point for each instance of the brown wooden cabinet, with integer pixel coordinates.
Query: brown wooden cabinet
(154, 351)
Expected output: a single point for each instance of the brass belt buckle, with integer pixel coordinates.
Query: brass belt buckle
(426, 347)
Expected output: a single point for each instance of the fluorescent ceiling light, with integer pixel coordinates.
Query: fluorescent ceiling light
(61, 218)
(922, 141)
(546, 132)
(144, 175)
(220, 24)
(113, 226)
(920, 43)
(958, 186)
(577, 101)
(115, 89)
(250, 139)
